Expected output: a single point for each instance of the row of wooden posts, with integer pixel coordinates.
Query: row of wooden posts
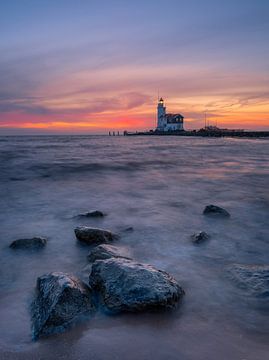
(114, 133)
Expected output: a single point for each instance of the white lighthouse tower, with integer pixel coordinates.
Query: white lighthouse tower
(161, 112)
(168, 122)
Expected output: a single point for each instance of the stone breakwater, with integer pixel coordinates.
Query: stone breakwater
(202, 133)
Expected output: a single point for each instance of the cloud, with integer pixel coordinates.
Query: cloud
(97, 64)
(91, 106)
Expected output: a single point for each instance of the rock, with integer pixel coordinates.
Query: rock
(200, 237)
(61, 300)
(128, 229)
(104, 251)
(215, 211)
(92, 214)
(128, 286)
(254, 279)
(34, 243)
(89, 235)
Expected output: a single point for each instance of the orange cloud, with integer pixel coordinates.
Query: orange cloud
(111, 99)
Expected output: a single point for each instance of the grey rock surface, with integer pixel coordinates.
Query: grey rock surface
(31, 243)
(89, 235)
(61, 299)
(105, 251)
(128, 286)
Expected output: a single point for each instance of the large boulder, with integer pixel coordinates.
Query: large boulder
(105, 251)
(92, 214)
(128, 286)
(217, 211)
(200, 237)
(34, 243)
(89, 235)
(61, 299)
(253, 279)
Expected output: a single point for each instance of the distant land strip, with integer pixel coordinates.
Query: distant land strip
(203, 133)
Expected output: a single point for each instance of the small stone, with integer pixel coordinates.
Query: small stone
(105, 251)
(128, 229)
(215, 211)
(200, 237)
(92, 214)
(34, 243)
(89, 235)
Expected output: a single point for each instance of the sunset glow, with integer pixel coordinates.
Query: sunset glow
(103, 72)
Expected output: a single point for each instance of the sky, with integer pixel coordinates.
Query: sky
(93, 66)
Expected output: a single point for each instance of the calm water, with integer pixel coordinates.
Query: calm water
(160, 187)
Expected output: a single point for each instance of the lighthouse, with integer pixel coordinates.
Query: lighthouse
(161, 112)
(168, 122)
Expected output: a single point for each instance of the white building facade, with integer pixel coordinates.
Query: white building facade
(168, 122)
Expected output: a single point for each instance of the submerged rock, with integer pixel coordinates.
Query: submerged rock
(126, 285)
(254, 279)
(215, 211)
(61, 299)
(92, 214)
(105, 251)
(89, 235)
(200, 237)
(31, 243)
(128, 229)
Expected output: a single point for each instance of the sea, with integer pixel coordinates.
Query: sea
(159, 186)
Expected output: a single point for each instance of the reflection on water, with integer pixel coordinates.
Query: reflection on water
(159, 186)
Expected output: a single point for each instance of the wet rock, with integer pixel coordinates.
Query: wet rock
(128, 229)
(105, 251)
(34, 243)
(254, 279)
(214, 210)
(200, 237)
(128, 286)
(89, 235)
(92, 214)
(61, 300)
